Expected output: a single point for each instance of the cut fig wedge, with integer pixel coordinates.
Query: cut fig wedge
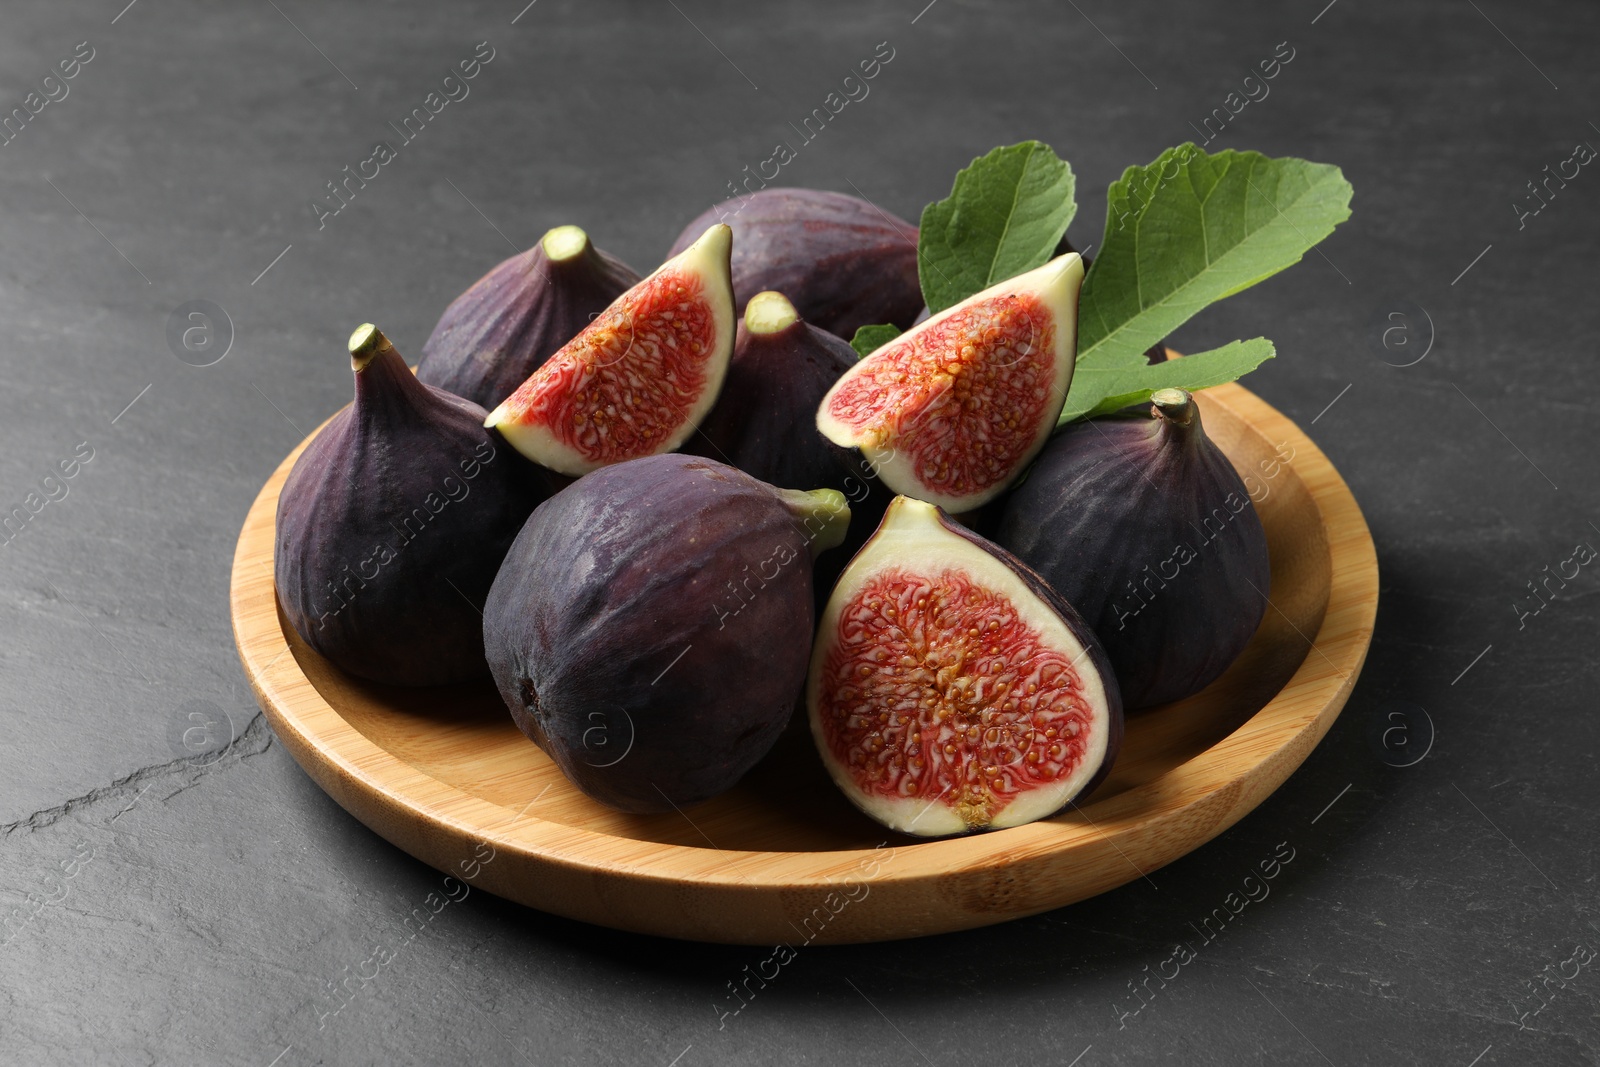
(950, 689)
(638, 380)
(951, 411)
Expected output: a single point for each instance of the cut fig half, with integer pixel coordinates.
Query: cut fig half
(950, 689)
(951, 411)
(637, 380)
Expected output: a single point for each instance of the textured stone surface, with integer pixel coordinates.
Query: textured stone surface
(209, 906)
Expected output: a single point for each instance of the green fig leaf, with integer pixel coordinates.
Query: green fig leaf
(869, 339)
(1191, 229)
(1005, 215)
(1105, 386)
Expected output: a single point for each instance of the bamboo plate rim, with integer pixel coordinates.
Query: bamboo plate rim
(1215, 788)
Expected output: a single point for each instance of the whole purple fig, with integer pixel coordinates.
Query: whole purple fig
(843, 262)
(1145, 528)
(651, 625)
(392, 524)
(515, 317)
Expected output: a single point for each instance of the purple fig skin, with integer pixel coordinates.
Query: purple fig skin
(651, 628)
(391, 526)
(843, 263)
(869, 499)
(497, 333)
(1143, 525)
(1098, 659)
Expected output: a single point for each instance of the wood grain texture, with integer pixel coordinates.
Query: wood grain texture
(783, 857)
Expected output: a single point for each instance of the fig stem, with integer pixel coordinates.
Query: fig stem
(1174, 405)
(769, 312)
(822, 513)
(367, 342)
(564, 243)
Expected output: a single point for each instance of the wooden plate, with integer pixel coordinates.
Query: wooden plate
(444, 774)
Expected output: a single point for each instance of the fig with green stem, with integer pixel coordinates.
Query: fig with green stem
(764, 421)
(1144, 526)
(392, 525)
(651, 626)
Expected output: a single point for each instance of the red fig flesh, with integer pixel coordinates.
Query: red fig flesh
(518, 315)
(638, 380)
(950, 689)
(843, 261)
(952, 410)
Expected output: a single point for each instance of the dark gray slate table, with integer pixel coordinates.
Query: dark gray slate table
(196, 911)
